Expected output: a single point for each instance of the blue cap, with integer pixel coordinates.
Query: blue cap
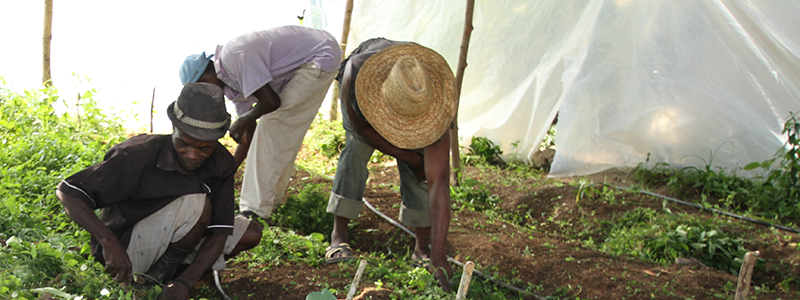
(193, 66)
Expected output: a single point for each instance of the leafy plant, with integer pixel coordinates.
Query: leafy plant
(482, 150)
(44, 251)
(305, 211)
(661, 238)
(549, 140)
(472, 195)
(278, 245)
(777, 194)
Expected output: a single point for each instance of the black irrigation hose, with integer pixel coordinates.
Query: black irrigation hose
(778, 226)
(490, 278)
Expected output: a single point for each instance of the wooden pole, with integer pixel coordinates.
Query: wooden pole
(356, 279)
(152, 104)
(46, 38)
(348, 12)
(745, 273)
(466, 277)
(462, 65)
(78, 109)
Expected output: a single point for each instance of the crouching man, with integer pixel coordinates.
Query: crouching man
(165, 200)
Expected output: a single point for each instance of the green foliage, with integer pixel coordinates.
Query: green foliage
(482, 150)
(45, 252)
(323, 143)
(660, 238)
(472, 195)
(324, 294)
(279, 245)
(587, 189)
(777, 194)
(408, 281)
(549, 140)
(305, 211)
(773, 194)
(325, 137)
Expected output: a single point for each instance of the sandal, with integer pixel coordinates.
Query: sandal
(342, 248)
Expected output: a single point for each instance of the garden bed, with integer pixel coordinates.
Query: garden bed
(545, 253)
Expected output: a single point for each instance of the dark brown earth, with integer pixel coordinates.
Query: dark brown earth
(549, 257)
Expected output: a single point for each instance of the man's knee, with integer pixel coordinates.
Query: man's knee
(251, 236)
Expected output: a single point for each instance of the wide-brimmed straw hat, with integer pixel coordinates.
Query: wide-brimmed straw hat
(200, 112)
(407, 93)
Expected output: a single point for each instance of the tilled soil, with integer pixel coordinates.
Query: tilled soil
(550, 257)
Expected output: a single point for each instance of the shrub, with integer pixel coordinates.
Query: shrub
(305, 211)
(43, 247)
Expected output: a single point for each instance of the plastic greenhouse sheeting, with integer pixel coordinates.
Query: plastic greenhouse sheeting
(686, 82)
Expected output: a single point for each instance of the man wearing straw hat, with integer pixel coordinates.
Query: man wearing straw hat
(280, 77)
(165, 200)
(399, 98)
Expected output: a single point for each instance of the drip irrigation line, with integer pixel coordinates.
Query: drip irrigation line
(450, 259)
(721, 212)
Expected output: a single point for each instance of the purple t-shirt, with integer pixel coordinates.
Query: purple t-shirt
(248, 62)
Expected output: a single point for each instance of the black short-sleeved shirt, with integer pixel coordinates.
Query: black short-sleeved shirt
(142, 175)
(357, 59)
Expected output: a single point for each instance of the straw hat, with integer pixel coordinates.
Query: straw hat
(407, 93)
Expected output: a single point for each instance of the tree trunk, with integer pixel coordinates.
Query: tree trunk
(462, 64)
(48, 25)
(348, 12)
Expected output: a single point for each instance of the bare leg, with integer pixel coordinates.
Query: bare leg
(249, 240)
(422, 250)
(339, 233)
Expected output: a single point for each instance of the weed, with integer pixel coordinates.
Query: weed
(305, 211)
(773, 194)
(472, 195)
(482, 150)
(662, 238)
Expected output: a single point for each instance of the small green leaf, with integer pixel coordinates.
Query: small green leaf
(324, 294)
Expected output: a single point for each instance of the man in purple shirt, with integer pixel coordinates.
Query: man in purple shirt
(279, 77)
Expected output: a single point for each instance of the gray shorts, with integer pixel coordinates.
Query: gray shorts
(351, 180)
(152, 235)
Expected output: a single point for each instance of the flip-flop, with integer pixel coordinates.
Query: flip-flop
(343, 248)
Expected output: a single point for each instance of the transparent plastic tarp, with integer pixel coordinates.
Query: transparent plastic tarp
(686, 82)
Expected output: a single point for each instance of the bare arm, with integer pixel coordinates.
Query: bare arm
(118, 264)
(268, 101)
(437, 171)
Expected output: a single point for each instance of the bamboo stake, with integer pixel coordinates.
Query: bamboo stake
(466, 277)
(354, 286)
(745, 273)
(462, 64)
(152, 103)
(348, 12)
(46, 38)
